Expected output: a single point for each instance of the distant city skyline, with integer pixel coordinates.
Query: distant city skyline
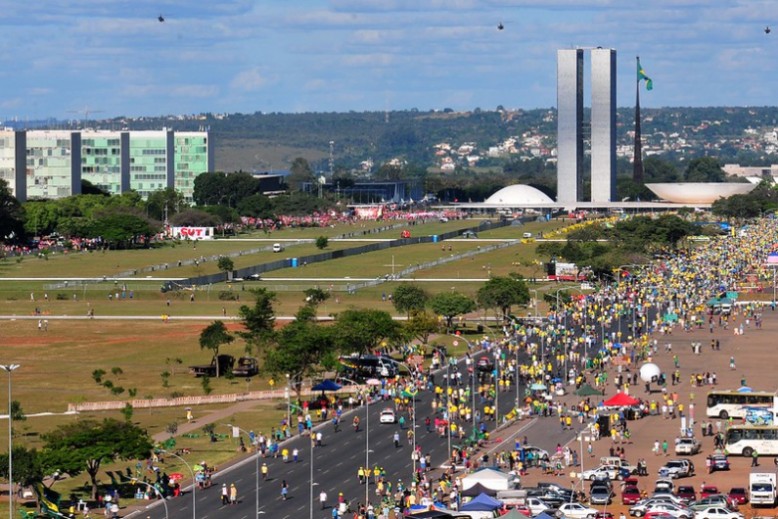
(77, 59)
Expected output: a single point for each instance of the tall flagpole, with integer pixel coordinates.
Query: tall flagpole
(637, 160)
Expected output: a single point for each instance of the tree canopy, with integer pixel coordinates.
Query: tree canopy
(451, 304)
(85, 444)
(502, 293)
(361, 331)
(408, 298)
(213, 337)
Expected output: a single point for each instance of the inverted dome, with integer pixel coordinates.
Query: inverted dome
(698, 192)
(518, 194)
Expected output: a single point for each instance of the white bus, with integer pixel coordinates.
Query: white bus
(726, 403)
(744, 440)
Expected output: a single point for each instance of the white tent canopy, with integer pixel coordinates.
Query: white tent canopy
(490, 478)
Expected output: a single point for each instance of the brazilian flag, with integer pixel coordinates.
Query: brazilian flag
(642, 75)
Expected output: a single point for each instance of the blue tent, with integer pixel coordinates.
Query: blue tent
(326, 385)
(482, 503)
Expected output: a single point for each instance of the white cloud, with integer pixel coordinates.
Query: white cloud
(249, 80)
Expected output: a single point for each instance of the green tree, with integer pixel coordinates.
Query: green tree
(502, 293)
(322, 242)
(213, 337)
(315, 296)
(259, 320)
(301, 346)
(17, 413)
(258, 206)
(361, 331)
(299, 172)
(408, 298)
(420, 325)
(41, 217)
(226, 265)
(27, 466)
(11, 215)
(194, 218)
(85, 444)
(704, 169)
(165, 203)
(451, 304)
(123, 228)
(209, 188)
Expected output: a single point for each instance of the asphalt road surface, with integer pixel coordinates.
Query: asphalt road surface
(335, 465)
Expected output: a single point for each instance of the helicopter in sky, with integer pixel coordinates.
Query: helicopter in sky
(161, 18)
(500, 26)
(767, 30)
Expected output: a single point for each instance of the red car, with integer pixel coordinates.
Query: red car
(523, 509)
(658, 514)
(708, 490)
(686, 493)
(630, 495)
(738, 495)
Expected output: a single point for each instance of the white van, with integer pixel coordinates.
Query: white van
(527, 235)
(277, 247)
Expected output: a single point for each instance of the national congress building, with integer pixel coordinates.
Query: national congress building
(52, 163)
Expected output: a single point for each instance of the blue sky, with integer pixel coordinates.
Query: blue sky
(112, 57)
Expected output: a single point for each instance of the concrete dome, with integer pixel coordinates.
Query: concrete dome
(698, 192)
(517, 195)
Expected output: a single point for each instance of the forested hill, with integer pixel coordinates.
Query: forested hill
(736, 133)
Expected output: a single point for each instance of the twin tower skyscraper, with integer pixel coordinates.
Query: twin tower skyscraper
(570, 123)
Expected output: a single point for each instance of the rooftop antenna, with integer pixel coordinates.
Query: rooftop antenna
(86, 111)
(332, 158)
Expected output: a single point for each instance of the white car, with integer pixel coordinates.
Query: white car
(388, 416)
(679, 512)
(688, 446)
(575, 511)
(717, 512)
(602, 472)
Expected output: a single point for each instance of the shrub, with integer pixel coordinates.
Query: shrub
(226, 295)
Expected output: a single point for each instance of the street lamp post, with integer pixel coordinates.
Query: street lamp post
(10, 368)
(287, 393)
(156, 492)
(256, 466)
(371, 382)
(194, 483)
(535, 300)
(472, 379)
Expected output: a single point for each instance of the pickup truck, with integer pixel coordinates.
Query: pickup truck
(224, 362)
(246, 367)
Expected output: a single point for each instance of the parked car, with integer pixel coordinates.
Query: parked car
(388, 416)
(576, 511)
(738, 495)
(686, 493)
(708, 490)
(674, 469)
(640, 509)
(688, 446)
(603, 515)
(717, 512)
(716, 462)
(630, 495)
(716, 500)
(603, 472)
(658, 514)
(677, 511)
(600, 494)
(664, 485)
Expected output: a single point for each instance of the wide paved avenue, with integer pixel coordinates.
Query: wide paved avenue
(336, 462)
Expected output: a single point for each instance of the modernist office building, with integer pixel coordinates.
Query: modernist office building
(570, 142)
(52, 163)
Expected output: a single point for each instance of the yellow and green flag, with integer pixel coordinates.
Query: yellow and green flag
(642, 75)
